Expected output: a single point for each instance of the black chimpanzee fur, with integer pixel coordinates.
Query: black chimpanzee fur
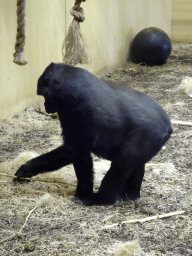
(124, 126)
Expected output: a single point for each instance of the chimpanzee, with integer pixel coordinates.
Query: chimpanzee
(124, 126)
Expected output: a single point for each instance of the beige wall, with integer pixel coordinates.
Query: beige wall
(109, 27)
(45, 31)
(181, 30)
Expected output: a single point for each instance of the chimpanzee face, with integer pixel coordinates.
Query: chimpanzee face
(45, 88)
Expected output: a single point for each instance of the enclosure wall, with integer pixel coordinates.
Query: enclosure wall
(181, 29)
(109, 28)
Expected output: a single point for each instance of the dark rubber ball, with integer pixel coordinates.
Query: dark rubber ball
(151, 46)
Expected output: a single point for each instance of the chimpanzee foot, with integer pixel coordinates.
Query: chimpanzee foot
(126, 196)
(84, 191)
(95, 199)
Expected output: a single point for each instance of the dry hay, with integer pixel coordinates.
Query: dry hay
(186, 85)
(128, 249)
(41, 218)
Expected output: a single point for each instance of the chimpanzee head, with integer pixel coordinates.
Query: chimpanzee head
(57, 85)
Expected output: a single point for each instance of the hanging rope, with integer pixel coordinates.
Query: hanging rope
(19, 45)
(74, 47)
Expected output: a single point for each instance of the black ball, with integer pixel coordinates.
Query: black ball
(151, 46)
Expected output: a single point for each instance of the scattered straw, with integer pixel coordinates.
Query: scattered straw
(27, 220)
(166, 215)
(128, 249)
(40, 180)
(68, 228)
(46, 199)
(186, 85)
(185, 123)
(19, 232)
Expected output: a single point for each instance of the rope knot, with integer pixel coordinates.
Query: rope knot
(74, 46)
(77, 12)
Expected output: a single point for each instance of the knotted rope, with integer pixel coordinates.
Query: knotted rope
(19, 45)
(74, 48)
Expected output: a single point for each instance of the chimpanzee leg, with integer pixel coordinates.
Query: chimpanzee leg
(111, 185)
(50, 161)
(84, 171)
(133, 183)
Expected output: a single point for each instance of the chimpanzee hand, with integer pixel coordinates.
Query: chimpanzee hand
(25, 171)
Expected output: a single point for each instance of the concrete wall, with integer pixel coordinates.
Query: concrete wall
(181, 30)
(109, 27)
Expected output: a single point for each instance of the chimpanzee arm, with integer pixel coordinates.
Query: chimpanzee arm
(45, 163)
